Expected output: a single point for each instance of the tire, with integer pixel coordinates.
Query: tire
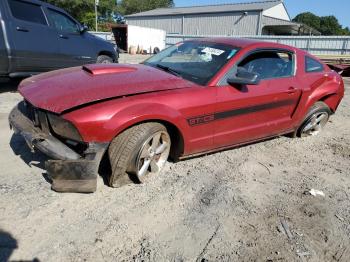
(136, 153)
(315, 120)
(104, 59)
(156, 50)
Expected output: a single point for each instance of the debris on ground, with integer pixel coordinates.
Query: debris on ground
(303, 253)
(315, 193)
(339, 217)
(286, 229)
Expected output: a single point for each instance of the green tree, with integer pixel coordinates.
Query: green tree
(326, 25)
(330, 26)
(135, 6)
(84, 10)
(346, 31)
(308, 19)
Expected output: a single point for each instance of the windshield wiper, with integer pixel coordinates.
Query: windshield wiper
(169, 70)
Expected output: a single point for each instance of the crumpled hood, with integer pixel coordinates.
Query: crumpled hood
(64, 89)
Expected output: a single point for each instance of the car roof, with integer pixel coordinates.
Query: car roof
(243, 42)
(48, 5)
(38, 2)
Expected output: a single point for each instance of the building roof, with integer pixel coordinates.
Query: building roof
(283, 26)
(267, 20)
(251, 6)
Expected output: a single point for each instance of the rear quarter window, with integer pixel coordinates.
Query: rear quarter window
(312, 65)
(27, 12)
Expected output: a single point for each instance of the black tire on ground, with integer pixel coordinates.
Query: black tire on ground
(104, 59)
(124, 150)
(317, 108)
(156, 50)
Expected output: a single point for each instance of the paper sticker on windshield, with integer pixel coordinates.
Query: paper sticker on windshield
(213, 51)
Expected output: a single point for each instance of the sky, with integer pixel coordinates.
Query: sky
(339, 8)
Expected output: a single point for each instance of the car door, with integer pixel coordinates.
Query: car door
(4, 59)
(75, 47)
(32, 41)
(246, 113)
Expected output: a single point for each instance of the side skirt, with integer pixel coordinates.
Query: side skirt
(234, 146)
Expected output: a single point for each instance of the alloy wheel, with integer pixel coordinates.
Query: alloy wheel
(153, 155)
(315, 124)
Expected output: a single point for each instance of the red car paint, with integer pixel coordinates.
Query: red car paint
(65, 89)
(103, 100)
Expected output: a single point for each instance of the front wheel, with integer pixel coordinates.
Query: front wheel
(315, 120)
(156, 50)
(138, 153)
(104, 59)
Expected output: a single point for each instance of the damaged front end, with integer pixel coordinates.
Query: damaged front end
(75, 164)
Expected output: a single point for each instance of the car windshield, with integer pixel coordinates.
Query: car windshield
(193, 60)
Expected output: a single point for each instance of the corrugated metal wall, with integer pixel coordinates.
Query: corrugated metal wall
(202, 24)
(222, 24)
(318, 45)
(171, 24)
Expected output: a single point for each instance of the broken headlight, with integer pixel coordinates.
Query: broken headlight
(63, 128)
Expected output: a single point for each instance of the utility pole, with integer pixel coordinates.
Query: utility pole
(96, 5)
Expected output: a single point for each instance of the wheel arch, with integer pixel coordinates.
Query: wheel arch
(314, 108)
(176, 135)
(177, 139)
(331, 100)
(137, 112)
(107, 53)
(176, 150)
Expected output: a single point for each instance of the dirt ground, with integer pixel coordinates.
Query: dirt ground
(245, 204)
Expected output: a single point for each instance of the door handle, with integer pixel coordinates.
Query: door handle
(22, 29)
(63, 36)
(291, 90)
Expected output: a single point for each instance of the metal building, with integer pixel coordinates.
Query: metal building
(255, 18)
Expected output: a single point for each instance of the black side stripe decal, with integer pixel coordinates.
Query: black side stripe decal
(204, 119)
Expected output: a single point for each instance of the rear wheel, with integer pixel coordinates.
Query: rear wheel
(138, 153)
(315, 120)
(104, 59)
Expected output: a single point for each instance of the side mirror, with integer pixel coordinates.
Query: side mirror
(243, 77)
(83, 29)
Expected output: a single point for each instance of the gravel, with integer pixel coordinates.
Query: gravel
(226, 206)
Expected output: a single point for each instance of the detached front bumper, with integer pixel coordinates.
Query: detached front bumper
(69, 171)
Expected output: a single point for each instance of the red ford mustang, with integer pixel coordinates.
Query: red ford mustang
(195, 97)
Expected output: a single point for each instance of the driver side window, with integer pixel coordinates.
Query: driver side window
(62, 22)
(269, 64)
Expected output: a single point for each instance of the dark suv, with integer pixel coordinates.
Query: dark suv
(37, 37)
